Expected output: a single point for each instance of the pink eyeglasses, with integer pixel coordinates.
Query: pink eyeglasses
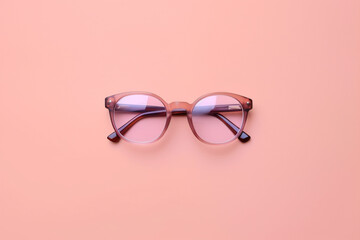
(143, 117)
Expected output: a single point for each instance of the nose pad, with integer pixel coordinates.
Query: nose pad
(178, 108)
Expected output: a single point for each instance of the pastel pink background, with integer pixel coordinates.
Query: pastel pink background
(298, 178)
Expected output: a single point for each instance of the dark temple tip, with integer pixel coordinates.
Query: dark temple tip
(244, 137)
(113, 137)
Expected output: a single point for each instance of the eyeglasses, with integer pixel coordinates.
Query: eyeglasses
(143, 117)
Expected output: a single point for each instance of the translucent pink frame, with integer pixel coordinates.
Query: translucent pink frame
(178, 108)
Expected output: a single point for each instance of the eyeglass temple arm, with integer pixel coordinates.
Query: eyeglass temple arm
(244, 137)
(124, 128)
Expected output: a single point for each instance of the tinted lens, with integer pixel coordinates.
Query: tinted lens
(140, 118)
(218, 118)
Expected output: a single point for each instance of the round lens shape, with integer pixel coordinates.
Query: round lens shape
(217, 119)
(140, 118)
